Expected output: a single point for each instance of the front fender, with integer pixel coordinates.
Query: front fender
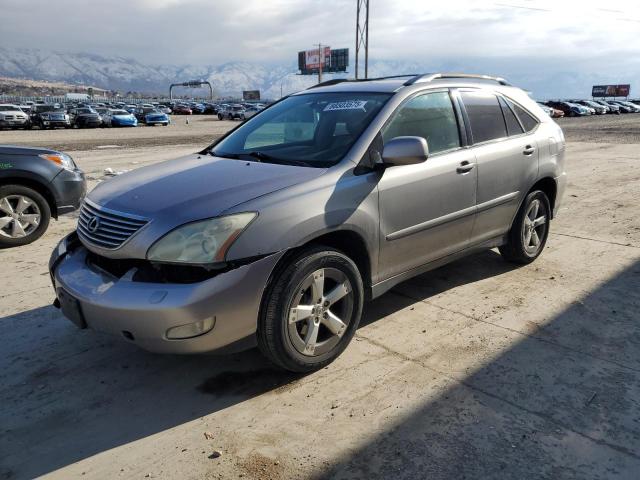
(296, 215)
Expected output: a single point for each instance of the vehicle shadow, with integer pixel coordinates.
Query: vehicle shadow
(461, 272)
(83, 393)
(562, 401)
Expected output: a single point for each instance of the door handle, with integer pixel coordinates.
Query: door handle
(465, 167)
(528, 150)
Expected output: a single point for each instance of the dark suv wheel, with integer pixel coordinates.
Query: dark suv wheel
(311, 311)
(24, 215)
(530, 230)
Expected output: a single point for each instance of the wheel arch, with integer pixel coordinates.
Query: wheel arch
(39, 187)
(349, 242)
(549, 187)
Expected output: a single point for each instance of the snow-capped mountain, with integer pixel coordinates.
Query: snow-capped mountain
(127, 74)
(229, 79)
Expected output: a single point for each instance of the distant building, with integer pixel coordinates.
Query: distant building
(76, 96)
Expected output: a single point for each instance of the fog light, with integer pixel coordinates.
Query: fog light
(191, 329)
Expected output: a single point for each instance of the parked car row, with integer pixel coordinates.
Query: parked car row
(48, 116)
(579, 108)
(119, 114)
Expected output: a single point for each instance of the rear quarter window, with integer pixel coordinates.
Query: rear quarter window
(528, 121)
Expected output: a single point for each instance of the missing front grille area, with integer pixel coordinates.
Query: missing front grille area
(152, 272)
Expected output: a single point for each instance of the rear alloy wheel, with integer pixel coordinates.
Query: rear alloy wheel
(311, 311)
(530, 230)
(24, 215)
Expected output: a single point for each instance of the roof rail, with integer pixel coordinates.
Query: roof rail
(341, 80)
(428, 77)
(327, 83)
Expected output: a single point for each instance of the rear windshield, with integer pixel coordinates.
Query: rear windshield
(313, 129)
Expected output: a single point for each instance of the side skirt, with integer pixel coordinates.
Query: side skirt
(385, 285)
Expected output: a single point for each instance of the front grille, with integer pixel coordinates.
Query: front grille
(106, 228)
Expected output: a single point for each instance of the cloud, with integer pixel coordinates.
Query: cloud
(537, 36)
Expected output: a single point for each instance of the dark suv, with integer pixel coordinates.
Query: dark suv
(35, 185)
(49, 116)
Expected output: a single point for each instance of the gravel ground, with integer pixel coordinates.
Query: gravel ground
(200, 130)
(624, 128)
(475, 370)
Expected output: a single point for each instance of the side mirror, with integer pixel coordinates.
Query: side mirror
(405, 151)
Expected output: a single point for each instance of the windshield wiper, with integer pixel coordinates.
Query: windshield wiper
(261, 157)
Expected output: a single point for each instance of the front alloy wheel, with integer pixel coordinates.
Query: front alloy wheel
(316, 313)
(24, 215)
(311, 310)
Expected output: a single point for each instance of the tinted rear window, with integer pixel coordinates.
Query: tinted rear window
(485, 116)
(527, 120)
(513, 126)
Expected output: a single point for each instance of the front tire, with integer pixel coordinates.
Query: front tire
(530, 230)
(311, 310)
(24, 215)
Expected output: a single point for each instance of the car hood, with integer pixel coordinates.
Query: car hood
(12, 112)
(195, 187)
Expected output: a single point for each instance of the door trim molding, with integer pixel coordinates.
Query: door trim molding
(450, 217)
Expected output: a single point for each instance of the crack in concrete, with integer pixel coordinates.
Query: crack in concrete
(595, 240)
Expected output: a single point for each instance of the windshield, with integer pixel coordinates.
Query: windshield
(9, 108)
(120, 112)
(315, 129)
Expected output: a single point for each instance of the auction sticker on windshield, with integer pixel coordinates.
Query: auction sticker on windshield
(346, 105)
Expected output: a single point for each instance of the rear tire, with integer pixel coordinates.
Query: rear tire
(9, 198)
(530, 230)
(292, 335)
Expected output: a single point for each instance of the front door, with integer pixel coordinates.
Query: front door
(426, 210)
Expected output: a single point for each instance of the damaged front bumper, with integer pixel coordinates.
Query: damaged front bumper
(214, 313)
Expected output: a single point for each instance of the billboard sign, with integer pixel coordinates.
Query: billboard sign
(332, 61)
(611, 90)
(251, 94)
(317, 57)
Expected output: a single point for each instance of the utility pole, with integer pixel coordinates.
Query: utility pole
(320, 62)
(362, 35)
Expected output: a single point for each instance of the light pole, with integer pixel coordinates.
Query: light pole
(362, 34)
(320, 62)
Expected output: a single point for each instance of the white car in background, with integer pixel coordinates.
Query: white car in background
(11, 116)
(249, 112)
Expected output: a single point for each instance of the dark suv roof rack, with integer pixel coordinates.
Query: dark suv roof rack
(428, 77)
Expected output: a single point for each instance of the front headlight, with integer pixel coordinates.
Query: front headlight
(62, 159)
(202, 242)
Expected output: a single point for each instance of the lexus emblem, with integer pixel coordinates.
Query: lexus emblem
(93, 224)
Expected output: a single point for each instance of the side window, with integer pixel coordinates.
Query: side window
(527, 120)
(513, 126)
(430, 116)
(485, 116)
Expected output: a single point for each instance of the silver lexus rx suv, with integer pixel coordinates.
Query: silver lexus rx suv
(278, 232)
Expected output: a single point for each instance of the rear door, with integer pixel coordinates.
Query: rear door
(506, 153)
(427, 209)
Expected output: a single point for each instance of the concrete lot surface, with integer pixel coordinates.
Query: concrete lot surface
(476, 370)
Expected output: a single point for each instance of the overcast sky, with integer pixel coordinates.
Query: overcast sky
(588, 35)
